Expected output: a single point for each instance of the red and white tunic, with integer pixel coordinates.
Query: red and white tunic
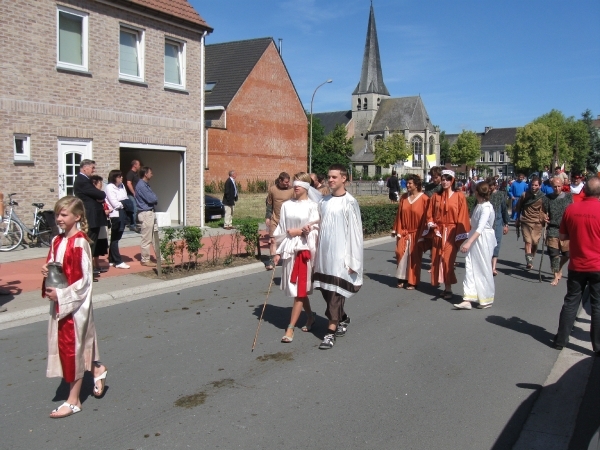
(72, 342)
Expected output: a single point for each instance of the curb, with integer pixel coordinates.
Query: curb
(40, 313)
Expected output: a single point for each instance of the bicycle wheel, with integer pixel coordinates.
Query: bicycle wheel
(11, 235)
(44, 232)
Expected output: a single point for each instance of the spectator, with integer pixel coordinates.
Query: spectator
(230, 196)
(517, 188)
(393, 187)
(116, 195)
(132, 179)
(92, 199)
(576, 187)
(101, 248)
(579, 225)
(146, 202)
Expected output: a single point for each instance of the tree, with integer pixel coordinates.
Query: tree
(334, 148)
(318, 136)
(391, 150)
(578, 140)
(444, 149)
(593, 159)
(467, 149)
(532, 147)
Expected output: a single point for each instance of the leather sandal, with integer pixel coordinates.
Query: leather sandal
(288, 339)
(306, 328)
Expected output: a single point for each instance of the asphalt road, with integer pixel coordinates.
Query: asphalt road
(411, 373)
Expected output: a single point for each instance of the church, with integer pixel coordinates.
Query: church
(376, 115)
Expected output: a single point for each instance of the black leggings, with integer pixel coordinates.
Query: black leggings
(114, 256)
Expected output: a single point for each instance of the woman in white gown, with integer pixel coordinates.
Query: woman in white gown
(296, 239)
(478, 285)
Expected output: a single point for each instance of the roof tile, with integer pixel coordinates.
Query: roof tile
(181, 9)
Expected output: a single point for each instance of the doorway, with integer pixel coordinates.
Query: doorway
(70, 154)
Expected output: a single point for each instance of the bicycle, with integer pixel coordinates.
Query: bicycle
(12, 228)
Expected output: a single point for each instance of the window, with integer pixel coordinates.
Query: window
(431, 145)
(131, 54)
(491, 157)
(501, 157)
(482, 157)
(417, 148)
(365, 103)
(72, 40)
(22, 149)
(358, 105)
(175, 64)
(209, 86)
(365, 170)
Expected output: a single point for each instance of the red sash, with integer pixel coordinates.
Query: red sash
(300, 271)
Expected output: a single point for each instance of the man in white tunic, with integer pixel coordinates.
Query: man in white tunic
(339, 260)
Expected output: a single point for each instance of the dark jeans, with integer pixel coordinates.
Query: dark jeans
(93, 235)
(575, 287)
(132, 219)
(114, 256)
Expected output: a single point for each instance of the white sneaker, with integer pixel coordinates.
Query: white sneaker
(111, 264)
(489, 305)
(464, 305)
(122, 266)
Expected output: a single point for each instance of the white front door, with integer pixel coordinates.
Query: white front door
(70, 154)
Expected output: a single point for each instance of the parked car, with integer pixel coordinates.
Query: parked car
(214, 208)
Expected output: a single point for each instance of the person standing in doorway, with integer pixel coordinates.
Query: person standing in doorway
(132, 179)
(579, 226)
(339, 259)
(146, 202)
(230, 196)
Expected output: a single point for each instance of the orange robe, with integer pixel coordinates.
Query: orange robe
(451, 215)
(408, 226)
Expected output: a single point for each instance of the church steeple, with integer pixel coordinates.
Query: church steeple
(371, 77)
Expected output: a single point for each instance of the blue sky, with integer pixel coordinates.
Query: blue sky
(475, 63)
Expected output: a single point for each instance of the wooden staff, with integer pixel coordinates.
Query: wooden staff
(263, 310)
(542, 258)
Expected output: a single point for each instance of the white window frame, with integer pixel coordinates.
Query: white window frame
(140, 46)
(182, 62)
(491, 157)
(501, 159)
(482, 157)
(26, 155)
(84, 39)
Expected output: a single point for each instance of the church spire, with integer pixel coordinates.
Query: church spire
(371, 77)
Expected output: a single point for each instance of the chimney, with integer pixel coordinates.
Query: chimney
(280, 47)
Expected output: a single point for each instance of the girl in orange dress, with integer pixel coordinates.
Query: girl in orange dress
(408, 227)
(447, 226)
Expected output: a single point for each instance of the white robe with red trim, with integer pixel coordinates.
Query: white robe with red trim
(75, 255)
(296, 214)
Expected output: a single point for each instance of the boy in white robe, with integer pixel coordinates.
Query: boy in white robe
(339, 260)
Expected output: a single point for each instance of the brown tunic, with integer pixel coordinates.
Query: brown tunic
(275, 198)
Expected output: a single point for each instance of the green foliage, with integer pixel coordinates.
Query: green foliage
(192, 238)
(249, 229)
(593, 159)
(467, 149)
(471, 202)
(445, 155)
(168, 245)
(210, 188)
(221, 186)
(378, 219)
(257, 186)
(532, 147)
(578, 139)
(391, 150)
(333, 148)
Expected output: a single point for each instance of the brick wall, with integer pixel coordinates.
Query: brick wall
(48, 104)
(266, 127)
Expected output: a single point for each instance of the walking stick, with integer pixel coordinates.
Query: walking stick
(263, 310)
(542, 257)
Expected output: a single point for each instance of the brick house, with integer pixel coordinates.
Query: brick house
(108, 80)
(255, 121)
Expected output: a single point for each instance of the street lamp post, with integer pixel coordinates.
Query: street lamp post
(311, 125)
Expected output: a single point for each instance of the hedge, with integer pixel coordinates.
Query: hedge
(378, 219)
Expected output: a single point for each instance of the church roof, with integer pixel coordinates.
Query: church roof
(371, 76)
(228, 65)
(330, 119)
(403, 113)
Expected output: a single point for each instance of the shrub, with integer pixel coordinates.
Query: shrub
(377, 219)
(192, 237)
(210, 188)
(471, 202)
(168, 245)
(249, 229)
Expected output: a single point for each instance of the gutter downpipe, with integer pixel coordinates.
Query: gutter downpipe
(202, 128)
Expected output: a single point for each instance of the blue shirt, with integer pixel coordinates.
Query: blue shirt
(546, 188)
(145, 198)
(517, 188)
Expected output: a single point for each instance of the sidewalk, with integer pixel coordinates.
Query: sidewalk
(20, 270)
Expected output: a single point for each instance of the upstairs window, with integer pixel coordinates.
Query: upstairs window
(417, 148)
(501, 157)
(72, 39)
(491, 157)
(175, 64)
(209, 86)
(431, 145)
(131, 54)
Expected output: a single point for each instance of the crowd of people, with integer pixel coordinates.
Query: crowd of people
(316, 234)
